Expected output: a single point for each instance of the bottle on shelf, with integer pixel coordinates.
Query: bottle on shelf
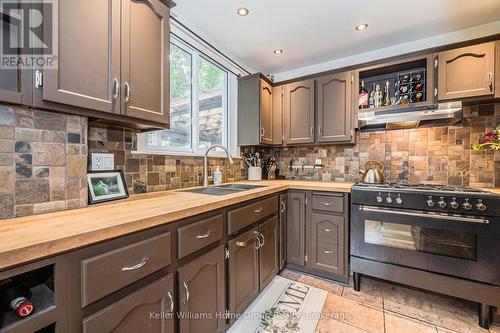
(378, 96)
(15, 295)
(371, 99)
(363, 96)
(387, 98)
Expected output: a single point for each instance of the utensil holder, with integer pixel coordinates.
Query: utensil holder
(254, 173)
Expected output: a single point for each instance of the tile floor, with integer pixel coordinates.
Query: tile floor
(390, 308)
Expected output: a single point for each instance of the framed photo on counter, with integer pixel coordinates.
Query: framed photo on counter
(106, 185)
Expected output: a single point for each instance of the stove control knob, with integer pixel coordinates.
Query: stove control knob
(467, 205)
(454, 204)
(399, 200)
(388, 199)
(379, 198)
(442, 203)
(480, 205)
(430, 202)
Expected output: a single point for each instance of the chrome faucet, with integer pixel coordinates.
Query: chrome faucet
(205, 166)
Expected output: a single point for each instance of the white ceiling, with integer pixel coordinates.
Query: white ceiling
(317, 31)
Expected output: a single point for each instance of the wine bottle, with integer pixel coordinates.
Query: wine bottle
(15, 295)
(378, 96)
(387, 98)
(371, 99)
(363, 96)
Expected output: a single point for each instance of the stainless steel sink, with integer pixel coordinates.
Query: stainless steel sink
(223, 189)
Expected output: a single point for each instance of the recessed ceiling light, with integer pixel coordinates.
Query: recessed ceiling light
(278, 51)
(242, 11)
(361, 27)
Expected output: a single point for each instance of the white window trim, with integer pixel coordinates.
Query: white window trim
(230, 121)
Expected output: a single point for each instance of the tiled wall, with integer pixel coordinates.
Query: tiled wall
(42, 161)
(439, 155)
(150, 173)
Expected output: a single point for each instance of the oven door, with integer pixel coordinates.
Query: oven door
(461, 246)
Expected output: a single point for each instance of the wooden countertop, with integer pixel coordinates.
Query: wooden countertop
(31, 238)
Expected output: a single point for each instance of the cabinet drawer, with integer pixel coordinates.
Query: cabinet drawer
(132, 313)
(328, 228)
(111, 271)
(329, 258)
(330, 203)
(197, 235)
(241, 217)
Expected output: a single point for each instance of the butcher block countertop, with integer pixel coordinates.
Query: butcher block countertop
(35, 237)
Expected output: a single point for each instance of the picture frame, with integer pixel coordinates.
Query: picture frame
(106, 185)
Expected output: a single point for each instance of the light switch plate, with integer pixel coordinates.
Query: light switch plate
(102, 161)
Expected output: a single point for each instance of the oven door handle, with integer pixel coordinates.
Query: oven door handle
(438, 217)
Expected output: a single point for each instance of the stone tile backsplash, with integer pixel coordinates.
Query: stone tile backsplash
(149, 172)
(43, 161)
(440, 155)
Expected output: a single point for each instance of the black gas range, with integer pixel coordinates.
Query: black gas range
(442, 238)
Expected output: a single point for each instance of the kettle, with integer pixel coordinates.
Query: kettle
(373, 172)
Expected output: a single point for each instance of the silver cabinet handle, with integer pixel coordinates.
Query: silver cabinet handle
(116, 88)
(319, 130)
(263, 240)
(327, 203)
(127, 92)
(185, 300)
(204, 235)
(136, 266)
(262, 131)
(327, 252)
(327, 230)
(258, 210)
(283, 206)
(490, 81)
(312, 130)
(171, 302)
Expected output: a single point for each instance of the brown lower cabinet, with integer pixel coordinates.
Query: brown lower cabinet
(253, 263)
(148, 310)
(317, 231)
(202, 294)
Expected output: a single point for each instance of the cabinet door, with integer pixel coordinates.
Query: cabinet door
(266, 112)
(295, 228)
(15, 83)
(88, 73)
(325, 243)
(269, 251)
(282, 227)
(298, 106)
(467, 72)
(145, 59)
(497, 70)
(202, 291)
(243, 271)
(334, 107)
(132, 313)
(278, 115)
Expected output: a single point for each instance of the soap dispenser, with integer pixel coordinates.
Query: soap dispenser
(217, 176)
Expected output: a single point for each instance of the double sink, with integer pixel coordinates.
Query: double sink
(223, 189)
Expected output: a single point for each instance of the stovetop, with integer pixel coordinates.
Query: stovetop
(427, 197)
(422, 187)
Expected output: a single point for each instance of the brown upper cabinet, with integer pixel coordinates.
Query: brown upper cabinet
(334, 116)
(116, 68)
(298, 112)
(278, 137)
(255, 110)
(467, 72)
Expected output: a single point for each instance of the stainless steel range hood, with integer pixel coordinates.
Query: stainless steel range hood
(442, 114)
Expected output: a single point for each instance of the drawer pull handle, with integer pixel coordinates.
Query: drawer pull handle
(247, 241)
(258, 210)
(327, 203)
(136, 266)
(327, 230)
(327, 252)
(171, 302)
(204, 236)
(187, 293)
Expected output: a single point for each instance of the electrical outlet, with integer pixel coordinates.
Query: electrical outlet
(103, 161)
(318, 161)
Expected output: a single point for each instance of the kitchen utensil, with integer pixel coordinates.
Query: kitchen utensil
(373, 172)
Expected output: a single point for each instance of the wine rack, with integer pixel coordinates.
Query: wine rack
(410, 83)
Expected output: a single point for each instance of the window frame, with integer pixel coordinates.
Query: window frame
(229, 110)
